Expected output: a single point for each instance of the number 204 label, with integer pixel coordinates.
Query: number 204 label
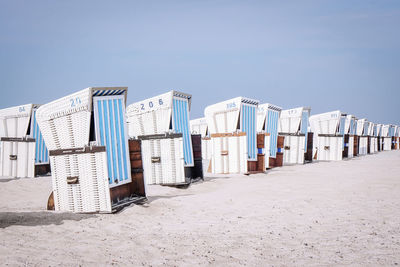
(75, 101)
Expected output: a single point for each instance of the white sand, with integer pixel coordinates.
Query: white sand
(322, 214)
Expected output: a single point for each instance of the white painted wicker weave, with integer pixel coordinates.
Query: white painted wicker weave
(206, 149)
(150, 116)
(294, 149)
(387, 143)
(350, 152)
(56, 120)
(151, 122)
(65, 124)
(373, 145)
(363, 145)
(170, 168)
(235, 161)
(329, 148)
(199, 126)
(267, 146)
(290, 120)
(325, 123)
(14, 121)
(23, 165)
(91, 194)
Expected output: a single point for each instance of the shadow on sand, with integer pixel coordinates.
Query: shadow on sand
(154, 198)
(210, 178)
(4, 180)
(39, 218)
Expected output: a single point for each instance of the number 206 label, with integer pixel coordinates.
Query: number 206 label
(151, 104)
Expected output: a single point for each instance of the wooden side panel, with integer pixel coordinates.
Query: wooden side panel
(260, 162)
(356, 142)
(279, 155)
(309, 152)
(346, 148)
(379, 143)
(196, 143)
(136, 187)
(197, 170)
(369, 145)
(281, 141)
(278, 161)
(135, 154)
(272, 162)
(251, 166)
(42, 169)
(260, 140)
(135, 146)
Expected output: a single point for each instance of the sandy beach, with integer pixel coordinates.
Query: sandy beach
(319, 214)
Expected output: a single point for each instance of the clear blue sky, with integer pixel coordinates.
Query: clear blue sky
(324, 54)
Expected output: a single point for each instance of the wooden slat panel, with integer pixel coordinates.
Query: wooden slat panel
(136, 187)
(136, 164)
(135, 156)
(134, 146)
(260, 140)
(261, 162)
(251, 166)
(196, 143)
(276, 162)
(356, 141)
(345, 152)
(281, 140)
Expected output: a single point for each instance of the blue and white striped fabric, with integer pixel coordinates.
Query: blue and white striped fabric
(248, 125)
(41, 153)
(355, 127)
(180, 118)
(272, 129)
(304, 126)
(366, 126)
(351, 130)
(108, 92)
(110, 131)
(391, 131)
(342, 123)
